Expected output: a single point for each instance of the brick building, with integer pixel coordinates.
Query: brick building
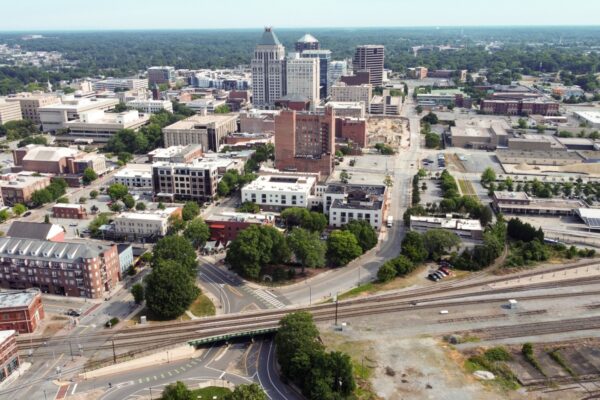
(361, 77)
(21, 311)
(225, 227)
(19, 188)
(519, 107)
(305, 142)
(258, 121)
(352, 129)
(9, 354)
(68, 268)
(70, 211)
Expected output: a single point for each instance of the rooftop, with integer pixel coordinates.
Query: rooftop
(33, 230)
(135, 170)
(22, 181)
(239, 217)
(32, 249)
(505, 195)
(590, 216)
(357, 205)
(66, 205)
(49, 154)
(6, 334)
(201, 121)
(591, 116)
(269, 38)
(157, 215)
(450, 223)
(340, 188)
(17, 299)
(308, 38)
(281, 183)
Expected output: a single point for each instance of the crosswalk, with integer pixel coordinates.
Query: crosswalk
(266, 297)
(171, 372)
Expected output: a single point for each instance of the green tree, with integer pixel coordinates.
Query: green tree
(386, 272)
(432, 140)
(342, 247)
(129, 201)
(438, 241)
(488, 175)
(307, 247)
(137, 290)
(19, 209)
(140, 206)
(222, 109)
(46, 219)
(117, 191)
(419, 109)
(177, 249)
(430, 118)
(197, 232)
(177, 391)
(116, 207)
(40, 197)
(124, 157)
(4, 215)
(413, 247)
(364, 233)
(89, 175)
(296, 339)
(190, 211)
(249, 207)
(522, 123)
(223, 189)
(93, 194)
(247, 392)
(170, 289)
(161, 205)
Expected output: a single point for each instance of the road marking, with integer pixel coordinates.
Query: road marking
(147, 379)
(234, 291)
(170, 374)
(194, 362)
(140, 380)
(222, 374)
(189, 365)
(154, 377)
(162, 376)
(74, 388)
(182, 368)
(269, 369)
(176, 371)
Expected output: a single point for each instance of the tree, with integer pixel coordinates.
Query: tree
(438, 241)
(161, 205)
(247, 392)
(364, 233)
(41, 196)
(222, 109)
(170, 289)
(129, 201)
(413, 247)
(46, 219)
(386, 272)
(249, 207)
(342, 247)
(307, 247)
(430, 118)
(124, 157)
(89, 175)
(116, 207)
(297, 336)
(177, 391)
(223, 189)
(4, 215)
(523, 231)
(117, 191)
(419, 109)
(522, 123)
(488, 175)
(140, 206)
(93, 194)
(137, 290)
(197, 232)
(432, 140)
(177, 249)
(388, 181)
(19, 209)
(190, 211)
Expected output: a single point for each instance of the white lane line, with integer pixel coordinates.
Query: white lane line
(74, 388)
(269, 370)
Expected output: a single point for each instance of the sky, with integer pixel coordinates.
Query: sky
(41, 15)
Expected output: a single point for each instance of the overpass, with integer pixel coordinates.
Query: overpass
(233, 335)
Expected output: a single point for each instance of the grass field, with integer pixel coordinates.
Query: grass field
(202, 307)
(211, 392)
(466, 188)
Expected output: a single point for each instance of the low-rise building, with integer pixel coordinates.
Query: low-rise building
(207, 130)
(176, 154)
(591, 118)
(351, 109)
(464, 228)
(226, 226)
(344, 203)
(116, 84)
(147, 224)
(31, 102)
(417, 72)
(69, 211)
(125, 257)
(151, 106)
(21, 311)
(9, 354)
(539, 157)
(57, 116)
(101, 125)
(185, 181)
(386, 104)
(57, 160)
(352, 130)
(480, 134)
(19, 188)
(277, 192)
(519, 106)
(443, 97)
(135, 176)
(522, 203)
(36, 230)
(9, 111)
(206, 106)
(67, 268)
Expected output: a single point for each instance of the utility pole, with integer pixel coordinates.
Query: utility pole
(336, 310)
(71, 350)
(114, 354)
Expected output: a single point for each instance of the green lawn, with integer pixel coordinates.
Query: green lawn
(210, 392)
(202, 307)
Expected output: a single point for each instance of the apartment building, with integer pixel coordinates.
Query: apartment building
(519, 107)
(185, 181)
(135, 176)
(303, 79)
(305, 142)
(207, 130)
(9, 111)
(161, 74)
(21, 311)
(370, 58)
(151, 106)
(341, 92)
(9, 354)
(344, 203)
(268, 70)
(280, 191)
(68, 269)
(57, 116)
(118, 84)
(19, 188)
(31, 103)
(138, 225)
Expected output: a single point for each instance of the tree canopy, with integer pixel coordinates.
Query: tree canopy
(197, 232)
(342, 247)
(177, 249)
(307, 247)
(364, 233)
(190, 211)
(169, 289)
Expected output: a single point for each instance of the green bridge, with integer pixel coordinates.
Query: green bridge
(228, 336)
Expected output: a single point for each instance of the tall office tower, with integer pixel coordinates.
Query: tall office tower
(324, 57)
(370, 58)
(268, 70)
(307, 42)
(161, 75)
(338, 69)
(303, 79)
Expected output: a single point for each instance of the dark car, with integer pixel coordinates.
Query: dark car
(433, 277)
(27, 214)
(73, 313)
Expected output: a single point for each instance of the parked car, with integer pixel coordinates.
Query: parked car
(27, 214)
(73, 313)
(433, 277)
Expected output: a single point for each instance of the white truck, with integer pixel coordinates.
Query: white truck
(390, 221)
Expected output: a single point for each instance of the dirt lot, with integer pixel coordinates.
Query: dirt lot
(392, 131)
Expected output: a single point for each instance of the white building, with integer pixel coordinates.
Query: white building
(351, 109)
(386, 104)
(337, 70)
(268, 70)
(464, 228)
(303, 78)
(280, 191)
(205, 106)
(144, 224)
(9, 111)
(359, 93)
(112, 84)
(57, 116)
(100, 124)
(151, 106)
(344, 203)
(592, 118)
(135, 176)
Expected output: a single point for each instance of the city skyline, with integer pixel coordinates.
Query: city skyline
(63, 15)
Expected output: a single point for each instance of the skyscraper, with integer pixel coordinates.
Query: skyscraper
(307, 42)
(268, 70)
(370, 58)
(324, 57)
(303, 78)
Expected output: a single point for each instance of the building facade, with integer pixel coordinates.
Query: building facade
(370, 58)
(69, 211)
(277, 192)
(135, 176)
(324, 57)
(10, 111)
(519, 107)
(151, 106)
(195, 181)
(303, 79)
(207, 130)
(344, 203)
(268, 70)
(226, 226)
(19, 188)
(307, 42)
(463, 228)
(56, 116)
(342, 92)
(9, 354)
(160, 75)
(137, 225)
(21, 311)
(115, 84)
(30, 104)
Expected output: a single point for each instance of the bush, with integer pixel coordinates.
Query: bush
(527, 351)
(497, 354)
(111, 322)
(386, 272)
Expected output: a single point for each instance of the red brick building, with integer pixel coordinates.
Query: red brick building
(225, 228)
(71, 211)
(21, 311)
(519, 107)
(305, 142)
(354, 129)
(9, 355)
(359, 78)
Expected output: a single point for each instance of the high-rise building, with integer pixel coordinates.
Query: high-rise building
(268, 70)
(307, 42)
(324, 57)
(162, 74)
(370, 57)
(303, 79)
(338, 69)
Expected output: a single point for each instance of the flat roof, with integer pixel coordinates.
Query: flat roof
(22, 181)
(450, 223)
(238, 217)
(281, 183)
(17, 299)
(191, 122)
(6, 334)
(506, 195)
(590, 216)
(591, 116)
(67, 205)
(51, 154)
(148, 215)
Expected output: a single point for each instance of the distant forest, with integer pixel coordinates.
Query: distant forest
(124, 53)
